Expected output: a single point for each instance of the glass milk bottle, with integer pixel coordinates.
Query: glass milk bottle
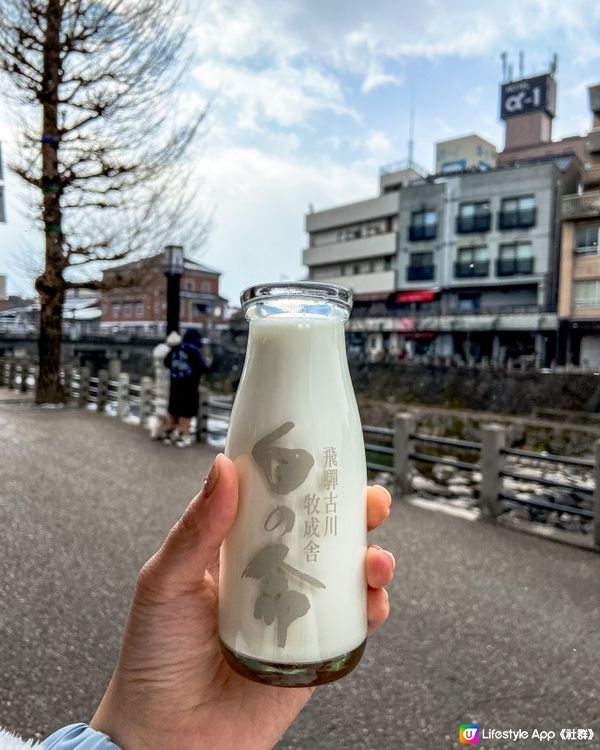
(292, 607)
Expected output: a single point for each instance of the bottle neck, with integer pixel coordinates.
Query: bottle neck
(294, 343)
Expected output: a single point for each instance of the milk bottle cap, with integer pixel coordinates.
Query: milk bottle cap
(305, 295)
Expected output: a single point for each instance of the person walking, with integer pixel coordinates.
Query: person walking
(158, 424)
(186, 363)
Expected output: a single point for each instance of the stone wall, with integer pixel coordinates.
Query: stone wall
(516, 392)
(456, 402)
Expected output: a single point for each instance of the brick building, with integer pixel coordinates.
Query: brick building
(139, 299)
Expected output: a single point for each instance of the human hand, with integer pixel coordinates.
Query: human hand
(171, 688)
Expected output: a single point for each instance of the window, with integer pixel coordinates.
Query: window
(420, 267)
(206, 286)
(388, 263)
(472, 261)
(116, 309)
(355, 268)
(139, 309)
(127, 310)
(586, 239)
(189, 285)
(423, 225)
(587, 293)
(156, 307)
(515, 258)
(517, 213)
(349, 233)
(473, 217)
(372, 229)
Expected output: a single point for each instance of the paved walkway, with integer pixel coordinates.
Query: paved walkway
(488, 625)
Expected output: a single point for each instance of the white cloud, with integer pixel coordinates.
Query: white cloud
(283, 94)
(258, 233)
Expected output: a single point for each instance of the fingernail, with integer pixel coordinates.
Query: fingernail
(392, 557)
(211, 479)
(387, 492)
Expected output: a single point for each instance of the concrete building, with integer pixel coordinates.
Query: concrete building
(356, 245)
(464, 263)
(528, 108)
(467, 152)
(579, 292)
(139, 299)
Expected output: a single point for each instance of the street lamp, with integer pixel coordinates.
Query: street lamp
(172, 266)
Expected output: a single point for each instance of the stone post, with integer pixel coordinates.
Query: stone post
(12, 373)
(404, 427)
(67, 376)
(114, 368)
(596, 521)
(102, 397)
(2, 371)
(84, 386)
(145, 399)
(123, 395)
(24, 374)
(493, 440)
(202, 418)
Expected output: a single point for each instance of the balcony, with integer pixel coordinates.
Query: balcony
(514, 266)
(375, 246)
(472, 224)
(420, 273)
(477, 269)
(517, 219)
(416, 234)
(580, 206)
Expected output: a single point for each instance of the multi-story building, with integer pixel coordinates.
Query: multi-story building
(138, 299)
(476, 257)
(474, 268)
(579, 289)
(356, 245)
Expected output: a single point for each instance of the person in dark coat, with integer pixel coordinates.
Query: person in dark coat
(186, 363)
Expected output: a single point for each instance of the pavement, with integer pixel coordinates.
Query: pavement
(488, 626)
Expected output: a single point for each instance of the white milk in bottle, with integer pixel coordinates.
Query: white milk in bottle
(292, 606)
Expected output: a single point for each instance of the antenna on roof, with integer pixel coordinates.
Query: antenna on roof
(521, 64)
(554, 64)
(504, 57)
(510, 72)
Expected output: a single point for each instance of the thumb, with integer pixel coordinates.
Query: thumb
(193, 543)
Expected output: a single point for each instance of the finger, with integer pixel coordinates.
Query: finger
(378, 608)
(379, 503)
(380, 566)
(181, 562)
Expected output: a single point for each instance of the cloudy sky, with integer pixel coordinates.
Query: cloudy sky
(309, 98)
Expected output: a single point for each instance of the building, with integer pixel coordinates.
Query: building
(528, 108)
(356, 245)
(579, 290)
(468, 152)
(461, 264)
(138, 300)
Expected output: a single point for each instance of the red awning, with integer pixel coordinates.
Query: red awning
(416, 295)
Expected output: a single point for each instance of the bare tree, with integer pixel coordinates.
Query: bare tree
(104, 155)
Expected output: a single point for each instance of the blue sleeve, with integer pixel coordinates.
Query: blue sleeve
(78, 737)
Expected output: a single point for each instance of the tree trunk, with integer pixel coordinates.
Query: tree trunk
(50, 285)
